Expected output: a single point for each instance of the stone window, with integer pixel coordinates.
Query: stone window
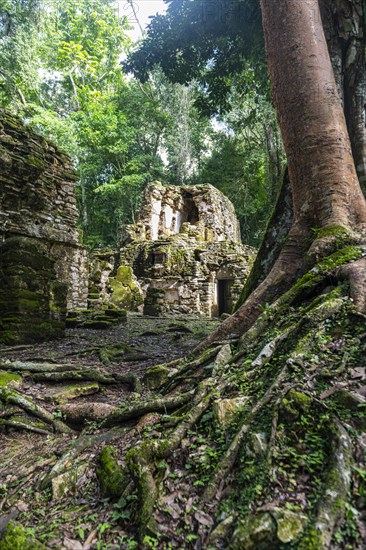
(159, 258)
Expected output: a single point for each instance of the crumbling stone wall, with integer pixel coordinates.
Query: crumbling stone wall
(43, 267)
(184, 252)
(200, 211)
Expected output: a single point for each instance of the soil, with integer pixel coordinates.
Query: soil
(82, 519)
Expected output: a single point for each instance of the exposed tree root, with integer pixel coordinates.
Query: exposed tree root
(15, 398)
(332, 504)
(79, 413)
(31, 367)
(89, 375)
(227, 462)
(252, 432)
(278, 288)
(141, 459)
(162, 404)
(46, 372)
(23, 426)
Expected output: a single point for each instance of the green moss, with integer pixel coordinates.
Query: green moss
(7, 377)
(112, 480)
(15, 537)
(156, 376)
(295, 403)
(124, 274)
(289, 524)
(36, 162)
(317, 273)
(332, 231)
(126, 293)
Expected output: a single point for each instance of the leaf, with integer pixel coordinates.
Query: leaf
(204, 518)
(72, 544)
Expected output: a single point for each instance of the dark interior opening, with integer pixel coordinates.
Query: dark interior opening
(159, 258)
(190, 210)
(224, 298)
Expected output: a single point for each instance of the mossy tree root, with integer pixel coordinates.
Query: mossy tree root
(13, 397)
(48, 372)
(182, 371)
(20, 366)
(227, 462)
(283, 291)
(90, 375)
(141, 459)
(332, 506)
(161, 404)
(23, 426)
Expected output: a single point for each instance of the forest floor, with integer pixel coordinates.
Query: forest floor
(71, 513)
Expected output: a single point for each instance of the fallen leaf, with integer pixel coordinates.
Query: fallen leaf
(203, 518)
(72, 544)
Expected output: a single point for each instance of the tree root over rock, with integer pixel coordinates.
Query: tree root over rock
(274, 470)
(12, 397)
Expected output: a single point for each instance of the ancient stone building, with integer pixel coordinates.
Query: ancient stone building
(43, 268)
(182, 255)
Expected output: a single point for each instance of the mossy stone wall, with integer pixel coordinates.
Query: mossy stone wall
(43, 267)
(32, 301)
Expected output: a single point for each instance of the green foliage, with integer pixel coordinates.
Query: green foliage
(60, 71)
(209, 42)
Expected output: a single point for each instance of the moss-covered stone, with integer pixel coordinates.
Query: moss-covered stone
(64, 393)
(225, 410)
(257, 532)
(290, 524)
(67, 482)
(156, 376)
(111, 477)
(15, 537)
(9, 379)
(295, 403)
(126, 292)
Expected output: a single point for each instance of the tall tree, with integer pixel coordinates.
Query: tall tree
(327, 197)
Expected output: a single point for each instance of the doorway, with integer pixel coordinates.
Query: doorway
(224, 297)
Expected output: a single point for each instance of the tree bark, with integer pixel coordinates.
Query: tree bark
(326, 192)
(324, 182)
(344, 23)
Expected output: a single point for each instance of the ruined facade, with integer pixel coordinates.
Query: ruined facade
(43, 267)
(182, 255)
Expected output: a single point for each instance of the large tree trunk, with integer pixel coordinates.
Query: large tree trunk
(327, 197)
(324, 182)
(344, 24)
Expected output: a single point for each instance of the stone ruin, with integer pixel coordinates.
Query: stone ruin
(43, 267)
(182, 255)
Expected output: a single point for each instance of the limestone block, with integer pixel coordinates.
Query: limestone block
(64, 393)
(226, 409)
(67, 482)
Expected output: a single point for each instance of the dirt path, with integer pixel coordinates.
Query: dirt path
(72, 514)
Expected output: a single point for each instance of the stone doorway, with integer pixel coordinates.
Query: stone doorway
(224, 296)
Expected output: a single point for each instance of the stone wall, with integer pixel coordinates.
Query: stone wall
(184, 255)
(43, 267)
(201, 211)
